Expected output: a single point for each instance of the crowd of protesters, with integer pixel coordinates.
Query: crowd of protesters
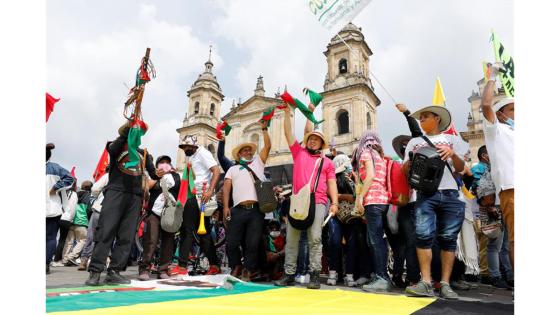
(449, 239)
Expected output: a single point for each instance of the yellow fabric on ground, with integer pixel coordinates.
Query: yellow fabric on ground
(288, 301)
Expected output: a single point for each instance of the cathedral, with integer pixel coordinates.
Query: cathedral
(349, 107)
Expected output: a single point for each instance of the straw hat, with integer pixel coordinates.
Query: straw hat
(235, 151)
(442, 112)
(318, 134)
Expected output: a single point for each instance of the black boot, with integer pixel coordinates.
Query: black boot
(114, 277)
(314, 282)
(286, 280)
(93, 279)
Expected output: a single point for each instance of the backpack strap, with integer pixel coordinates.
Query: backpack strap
(256, 179)
(446, 163)
(318, 175)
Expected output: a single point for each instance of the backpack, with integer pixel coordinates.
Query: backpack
(397, 183)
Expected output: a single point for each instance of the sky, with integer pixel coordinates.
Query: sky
(94, 50)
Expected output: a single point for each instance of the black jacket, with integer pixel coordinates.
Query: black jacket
(122, 179)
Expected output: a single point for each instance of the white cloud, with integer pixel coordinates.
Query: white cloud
(88, 74)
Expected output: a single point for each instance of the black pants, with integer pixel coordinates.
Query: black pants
(406, 219)
(150, 240)
(248, 222)
(118, 219)
(61, 242)
(191, 221)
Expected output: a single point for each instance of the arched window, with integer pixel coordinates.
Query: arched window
(196, 108)
(212, 109)
(368, 120)
(342, 66)
(342, 121)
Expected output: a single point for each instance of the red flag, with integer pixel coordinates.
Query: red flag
(101, 165)
(451, 130)
(72, 172)
(50, 104)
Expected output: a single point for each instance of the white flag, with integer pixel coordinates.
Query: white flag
(336, 13)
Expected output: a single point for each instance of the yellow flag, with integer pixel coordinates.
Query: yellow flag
(439, 98)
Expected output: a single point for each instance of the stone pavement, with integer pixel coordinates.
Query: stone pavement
(68, 277)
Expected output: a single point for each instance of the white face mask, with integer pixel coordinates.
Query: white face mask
(274, 234)
(248, 161)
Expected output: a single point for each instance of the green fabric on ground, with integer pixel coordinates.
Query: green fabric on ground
(125, 298)
(102, 287)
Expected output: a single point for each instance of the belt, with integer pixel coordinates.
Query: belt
(248, 207)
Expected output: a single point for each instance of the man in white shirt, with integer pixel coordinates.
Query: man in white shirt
(206, 171)
(499, 135)
(245, 218)
(438, 214)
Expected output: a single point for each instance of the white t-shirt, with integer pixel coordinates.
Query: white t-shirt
(202, 160)
(242, 183)
(157, 208)
(454, 142)
(499, 142)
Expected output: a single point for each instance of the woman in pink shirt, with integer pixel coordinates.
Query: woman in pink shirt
(368, 162)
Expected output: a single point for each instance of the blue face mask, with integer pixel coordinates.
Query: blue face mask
(348, 170)
(510, 122)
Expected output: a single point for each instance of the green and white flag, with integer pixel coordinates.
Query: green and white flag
(506, 74)
(333, 14)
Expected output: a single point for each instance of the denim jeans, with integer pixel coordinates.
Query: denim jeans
(504, 256)
(334, 247)
(493, 255)
(358, 260)
(440, 215)
(248, 223)
(51, 229)
(303, 255)
(376, 217)
(313, 239)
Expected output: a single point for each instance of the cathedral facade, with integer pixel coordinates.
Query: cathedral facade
(349, 107)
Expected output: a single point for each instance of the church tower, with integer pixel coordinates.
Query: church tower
(349, 101)
(203, 113)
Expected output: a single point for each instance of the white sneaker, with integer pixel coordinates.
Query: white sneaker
(303, 279)
(362, 280)
(333, 276)
(57, 264)
(349, 281)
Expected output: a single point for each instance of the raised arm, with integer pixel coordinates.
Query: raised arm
(487, 100)
(415, 130)
(288, 126)
(267, 144)
(308, 124)
(225, 163)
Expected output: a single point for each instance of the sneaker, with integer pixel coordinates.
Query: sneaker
(460, 285)
(303, 279)
(362, 281)
(485, 279)
(314, 281)
(500, 283)
(114, 277)
(213, 270)
(163, 275)
(349, 281)
(144, 275)
(57, 264)
(377, 285)
(446, 292)
(420, 289)
(71, 263)
(83, 264)
(333, 276)
(287, 280)
(178, 271)
(93, 279)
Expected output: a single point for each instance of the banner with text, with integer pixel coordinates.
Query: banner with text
(334, 14)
